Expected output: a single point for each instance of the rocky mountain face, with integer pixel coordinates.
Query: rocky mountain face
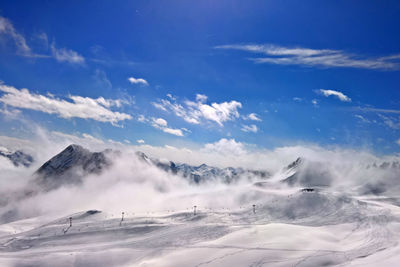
(18, 158)
(70, 166)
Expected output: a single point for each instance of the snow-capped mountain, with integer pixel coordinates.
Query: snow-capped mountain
(74, 162)
(70, 165)
(18, 158)
(204, 172)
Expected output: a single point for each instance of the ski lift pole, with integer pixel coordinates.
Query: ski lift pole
(194, 210)
(254, 208)
(122, 219)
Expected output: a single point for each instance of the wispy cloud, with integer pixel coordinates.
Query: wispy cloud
(7, 29)
(80, 107)
(393, 123)
(378, 110)
(362, 118)
(101, 79)
(314, 102)
(250, 128)
(315, 57)
(195, 111)
(66, 55)
(162, 124)
(252, 117)
(133, 80)
(342, 97)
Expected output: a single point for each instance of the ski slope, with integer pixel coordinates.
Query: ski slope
(289, 228)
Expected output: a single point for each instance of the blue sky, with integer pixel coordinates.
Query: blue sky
(187, 73)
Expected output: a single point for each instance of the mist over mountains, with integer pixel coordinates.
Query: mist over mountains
(158, 197)
(72, 164)
(18, 157)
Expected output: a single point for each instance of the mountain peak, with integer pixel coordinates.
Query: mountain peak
(74, 147)
(62, 167)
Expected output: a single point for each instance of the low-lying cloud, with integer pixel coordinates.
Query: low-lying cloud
(134, 185)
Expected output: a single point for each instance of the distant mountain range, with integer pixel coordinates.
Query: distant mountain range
(204, 172)
(74, 162)
(18, 158)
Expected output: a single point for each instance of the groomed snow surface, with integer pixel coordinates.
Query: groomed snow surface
(289, 228)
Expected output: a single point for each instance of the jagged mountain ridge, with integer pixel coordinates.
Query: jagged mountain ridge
(74, 162)
(18, 157)
(70, 166)
(203, 172)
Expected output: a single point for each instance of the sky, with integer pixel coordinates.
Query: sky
(193, 73)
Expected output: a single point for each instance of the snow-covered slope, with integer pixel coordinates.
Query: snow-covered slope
(287, 229)
(138, 211)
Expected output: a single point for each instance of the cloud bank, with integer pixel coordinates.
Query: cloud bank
(81, 107)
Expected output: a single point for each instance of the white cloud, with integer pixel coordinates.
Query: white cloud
(140, 141)
(162, 124)
(60, 54)
(315, 57)
(220, 112)
(194, 111)
(314, 102)
(80, 107)
(379, 110)
(92, 138)
(6, 28)
(339, 95)
(201, 98)
(393, 123)
(101, 79)
(362, 118)
(10, 113)
(66, 55)
(225, 147)
(141, 118)
(253, 117)
(250, 128)
(137, 81)
(177, 132)
(297, 99)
